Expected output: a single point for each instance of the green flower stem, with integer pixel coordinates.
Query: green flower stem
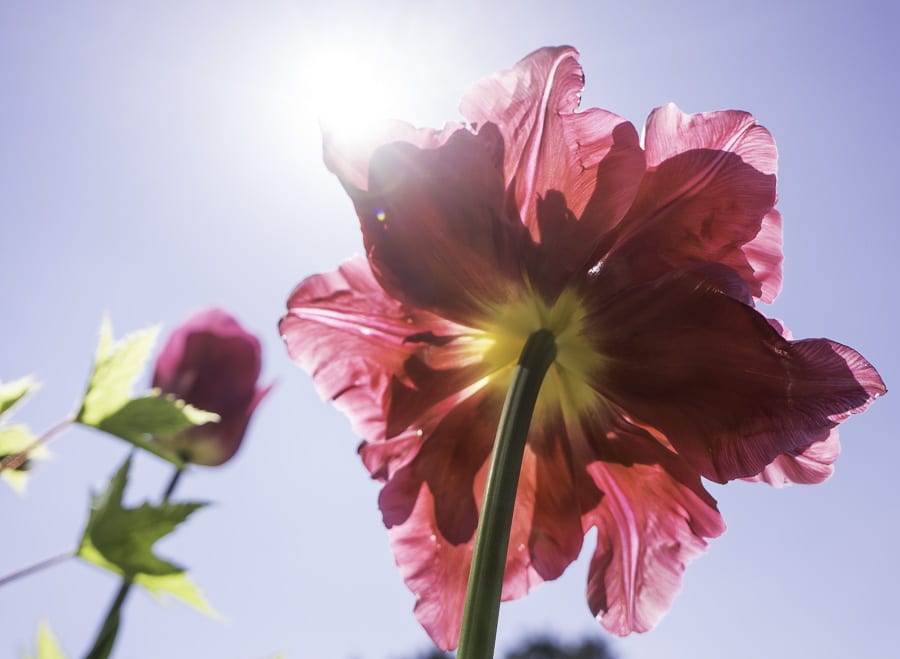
(482, 608)
(106, 637)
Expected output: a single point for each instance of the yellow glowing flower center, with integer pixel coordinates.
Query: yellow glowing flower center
(566, 386)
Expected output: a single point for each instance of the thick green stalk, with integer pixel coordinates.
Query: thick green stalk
(106, 637)
(482, 608)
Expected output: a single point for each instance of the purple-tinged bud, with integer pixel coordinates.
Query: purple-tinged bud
(211, 362)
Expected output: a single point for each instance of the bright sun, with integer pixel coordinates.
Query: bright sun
(351, 90)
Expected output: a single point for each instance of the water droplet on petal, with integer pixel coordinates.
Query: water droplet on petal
(521, 547)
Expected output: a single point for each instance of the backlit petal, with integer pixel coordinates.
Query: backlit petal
(708, 195)
(347, 154)
(571, 176)
(650, 525)
(813, 465)
(451, 456)
(718, 381)
(547, 506)
(354, 340)
(436, 571)
(431, 506)
(434, 228)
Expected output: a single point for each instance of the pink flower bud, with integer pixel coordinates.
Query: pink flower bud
(213, 363)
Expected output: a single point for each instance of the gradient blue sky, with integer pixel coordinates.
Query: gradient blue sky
(160, 157)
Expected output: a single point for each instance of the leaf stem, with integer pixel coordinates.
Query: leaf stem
(36, 567)
(482, 608)
(173, 483)
(15, 460)
(106, 637)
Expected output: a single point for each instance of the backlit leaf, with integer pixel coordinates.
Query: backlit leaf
(124, 537)
(47, 646)
(13, 441)
(15, 391)
(116, 367)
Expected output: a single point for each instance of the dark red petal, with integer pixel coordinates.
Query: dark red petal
(708, 195)
(714, 377)
(547, 505)
(347, 154)
(450, 457)
(810, 466)
(384, 458)
(353, 339)
(571, 176)
(431, 506)
(434, 227)
(651, 522)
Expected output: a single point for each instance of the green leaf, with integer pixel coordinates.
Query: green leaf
(177, 584)
(13, 392)
(156, 415)
(116, 367)
(13, 440)
(47, 645)
(124, 537)
(110, 405)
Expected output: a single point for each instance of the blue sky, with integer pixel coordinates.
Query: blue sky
(156, 158)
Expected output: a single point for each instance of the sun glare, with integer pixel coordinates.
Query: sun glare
(352, 90)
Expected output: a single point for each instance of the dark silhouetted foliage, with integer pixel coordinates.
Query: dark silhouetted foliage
(545, 647)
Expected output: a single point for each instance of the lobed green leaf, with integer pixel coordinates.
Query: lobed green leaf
(116, 367)
(47, 646)
(14, 440)
(124, 537)
(109, 404)
(13, 392)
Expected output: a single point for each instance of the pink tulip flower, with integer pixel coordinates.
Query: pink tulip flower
(644, 260)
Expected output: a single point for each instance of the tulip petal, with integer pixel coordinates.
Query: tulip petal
(353, 338)
(431, 505)
(708, 196)
(434, 228)
(451, 456)
(571, 176)
(436, 571)
(712, 375)
(652, 521)
(347, 155)
(547, 504)
(813, 465)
